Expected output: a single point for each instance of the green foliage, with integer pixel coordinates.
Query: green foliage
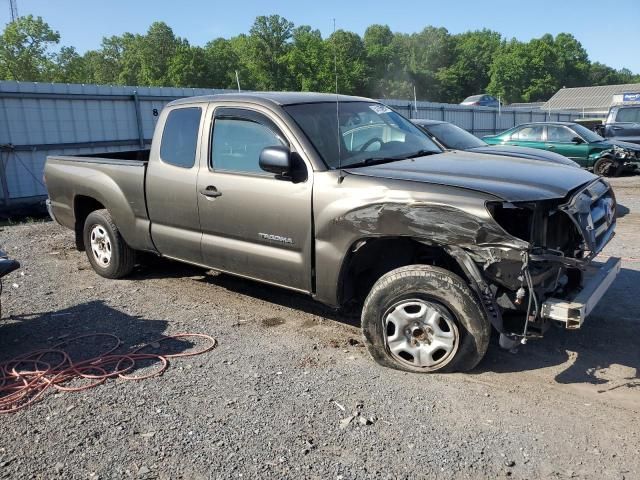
(25, 49)
(275, 55)
(306, 60)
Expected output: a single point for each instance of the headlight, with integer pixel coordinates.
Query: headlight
(516, 220)
(620, 152)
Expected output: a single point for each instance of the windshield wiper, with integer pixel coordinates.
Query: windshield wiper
(379, 160)
(422, 153)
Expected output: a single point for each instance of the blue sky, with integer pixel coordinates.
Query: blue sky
(608, 30)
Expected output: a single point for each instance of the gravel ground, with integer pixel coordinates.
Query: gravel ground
(268, 402)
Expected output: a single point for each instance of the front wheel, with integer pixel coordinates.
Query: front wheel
(107, 251)
(606, 167)
(424, 319)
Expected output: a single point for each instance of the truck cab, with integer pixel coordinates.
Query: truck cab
(623, 120)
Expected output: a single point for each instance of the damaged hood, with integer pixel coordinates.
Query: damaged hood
(509, 178)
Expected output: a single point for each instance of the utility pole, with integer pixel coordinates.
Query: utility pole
(13, 4)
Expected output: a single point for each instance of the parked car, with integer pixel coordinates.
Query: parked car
(483, 100)
(452, 137)
(622, 123)
(606, 157)
(359, 210)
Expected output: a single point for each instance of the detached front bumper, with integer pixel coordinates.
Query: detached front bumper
(572, 311)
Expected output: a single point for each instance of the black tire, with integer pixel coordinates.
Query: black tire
(439, 288)
(122, 257)
(607, 167)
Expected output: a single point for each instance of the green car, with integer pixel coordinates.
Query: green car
(606, 157)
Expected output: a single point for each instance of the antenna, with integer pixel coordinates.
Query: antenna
(238, 81)
(335, 69)
(13, 5)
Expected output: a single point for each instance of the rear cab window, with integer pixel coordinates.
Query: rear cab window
(628, 115)
(180, 137)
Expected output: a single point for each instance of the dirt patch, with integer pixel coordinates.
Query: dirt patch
(273, 322)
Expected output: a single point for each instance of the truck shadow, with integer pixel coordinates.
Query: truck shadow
(603, 352)
(157, 267)
(22, 334)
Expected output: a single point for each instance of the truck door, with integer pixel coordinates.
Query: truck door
(172, 200)
(253, 223)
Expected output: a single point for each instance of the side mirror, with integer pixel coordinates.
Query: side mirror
(577, 140)
(276, 160)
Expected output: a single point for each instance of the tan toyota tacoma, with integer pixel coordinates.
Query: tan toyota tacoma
(344, 199)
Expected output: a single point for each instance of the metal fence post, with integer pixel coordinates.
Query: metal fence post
(473, 121)
(136, 102)
(3, 179)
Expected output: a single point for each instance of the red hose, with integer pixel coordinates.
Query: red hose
(25, 378)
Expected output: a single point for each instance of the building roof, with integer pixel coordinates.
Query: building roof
(279, 98)
(592, 98)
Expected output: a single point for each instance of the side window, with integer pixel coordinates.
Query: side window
(528, 134)
(180, 137)
(237, 143)
(559, 134)
(628, 115)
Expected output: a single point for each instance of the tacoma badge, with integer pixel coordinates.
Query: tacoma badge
(276, 238)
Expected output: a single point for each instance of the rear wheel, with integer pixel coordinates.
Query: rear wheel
(424, 319)
(106, 250)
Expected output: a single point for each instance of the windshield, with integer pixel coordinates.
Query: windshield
(588, 135)
(368, 132)
(473, 98)
(454, 137)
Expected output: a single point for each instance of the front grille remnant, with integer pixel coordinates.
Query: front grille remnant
(593, 210)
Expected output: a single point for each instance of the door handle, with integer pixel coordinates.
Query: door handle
(211, 192)
(551, 146)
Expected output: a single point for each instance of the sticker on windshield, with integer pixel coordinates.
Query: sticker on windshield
(380, 109)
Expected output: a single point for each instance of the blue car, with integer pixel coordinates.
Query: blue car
(483, 100)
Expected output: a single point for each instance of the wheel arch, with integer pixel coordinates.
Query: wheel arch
(369, 258)
(83, 205)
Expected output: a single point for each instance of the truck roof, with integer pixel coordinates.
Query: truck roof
(278, 98)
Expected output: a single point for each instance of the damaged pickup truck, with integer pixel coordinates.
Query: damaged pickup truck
(345, 200)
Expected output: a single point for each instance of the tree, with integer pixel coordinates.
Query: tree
(188, 68)
(156, 50)
(525, 72)
(573, 61)
(306, 61)
(468, 74)
(25, 49)
(381, 58)
(422, 56)
(68, 66)
(275, 55)
(268, 44)
(222, 63)
(347, 51)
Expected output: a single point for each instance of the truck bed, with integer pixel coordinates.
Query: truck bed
(111, 157)
(116, 179)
